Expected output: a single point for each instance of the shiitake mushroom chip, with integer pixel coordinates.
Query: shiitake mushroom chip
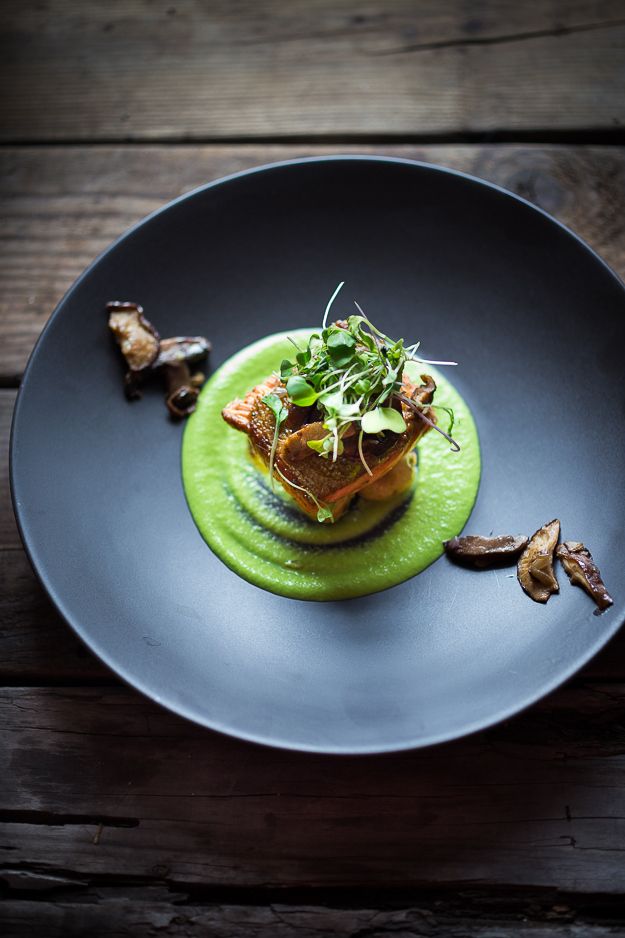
(583, 571)
(474, 550)
(146, 354)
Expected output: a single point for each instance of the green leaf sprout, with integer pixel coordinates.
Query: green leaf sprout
(277, 406)
(300, 391)
(383, 418)
(323, 512)
(450, 414)
(353, 373)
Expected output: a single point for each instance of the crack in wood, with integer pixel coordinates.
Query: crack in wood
(490, 899)
(53, 819)
(144, 910)
(598, 135)
(502, 39)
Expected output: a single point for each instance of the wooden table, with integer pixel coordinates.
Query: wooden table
(120, 818)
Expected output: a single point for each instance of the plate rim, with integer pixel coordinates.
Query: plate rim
(120, 670)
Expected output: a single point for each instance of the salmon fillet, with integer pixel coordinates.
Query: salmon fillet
(299, 467)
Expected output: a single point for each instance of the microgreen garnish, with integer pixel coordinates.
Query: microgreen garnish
(353, 373)
(361, 454)
(413, 404)
(383, 418)
(331, 301)
(300, 391)
(323, 512)
(277, 407)
(450, 414)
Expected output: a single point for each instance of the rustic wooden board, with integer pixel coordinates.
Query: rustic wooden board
(121, 818)
(61, 206)
(9, 538)
(100, 782)
(147, 69)
(139, 912)
(103, 785)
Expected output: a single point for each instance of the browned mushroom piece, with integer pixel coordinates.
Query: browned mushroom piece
(145, 352)
(173, 360)
(179, 349)
(181, 395)
(424, 393)
(583, 571)
(535, 567)
(480, 552)
(138, 340)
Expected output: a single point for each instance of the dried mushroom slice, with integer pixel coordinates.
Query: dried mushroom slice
(541, 569)
(473, 550)
(182, 393)
(136, 336)
(146, 353)
(174, 357)
(178, 349)
(583, 571)
(138, 340)
(535, 567)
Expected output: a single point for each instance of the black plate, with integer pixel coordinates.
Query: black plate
(537, 322)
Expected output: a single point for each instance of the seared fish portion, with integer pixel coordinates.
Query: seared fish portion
(297, 466)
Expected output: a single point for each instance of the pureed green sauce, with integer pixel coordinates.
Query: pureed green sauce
(264, 538)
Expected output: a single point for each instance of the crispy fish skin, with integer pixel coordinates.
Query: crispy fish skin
(254, 418)
(332, 483)
(238, 413)
(583, 571)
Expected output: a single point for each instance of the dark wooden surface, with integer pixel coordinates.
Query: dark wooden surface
(118, 818)
(162, 69)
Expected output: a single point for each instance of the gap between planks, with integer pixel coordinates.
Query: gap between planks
(539, 136)
(67, 907)
(536, 802)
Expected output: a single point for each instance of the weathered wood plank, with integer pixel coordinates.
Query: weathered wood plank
(62, 206)
(8, 531)
(36, 646)
(139, 912)
(101, 782)
(152, 69)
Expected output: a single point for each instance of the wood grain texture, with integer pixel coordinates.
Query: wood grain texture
(146, 69)
(100, 782)
(9, 538)
(118, 818)
(146, 912)
(63, 205)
